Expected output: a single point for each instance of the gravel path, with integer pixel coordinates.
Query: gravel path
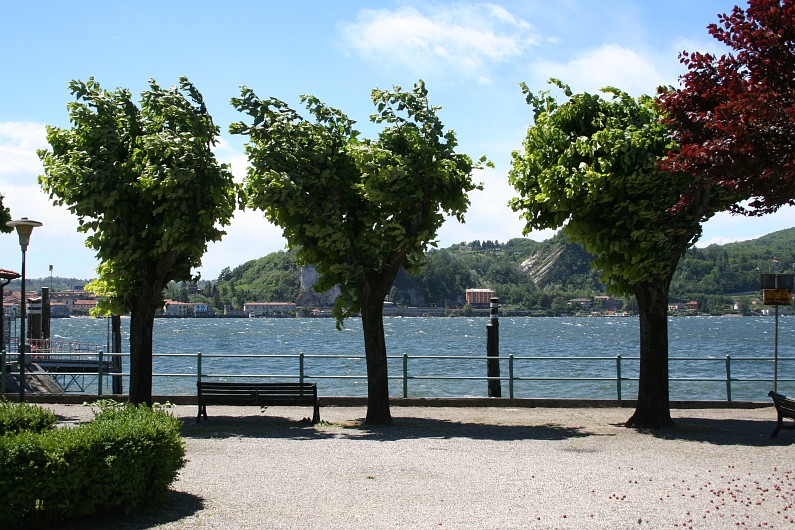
(474, 468)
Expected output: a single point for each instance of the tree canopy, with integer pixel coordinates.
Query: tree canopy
(734, 118)
(589, 164)
(147, 190)
(5, 216)
(358, 209)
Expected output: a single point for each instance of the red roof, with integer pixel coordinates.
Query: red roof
(9, 275)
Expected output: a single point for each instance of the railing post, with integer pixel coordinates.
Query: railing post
(405, 375)
(99, 374)
(301, 367)
(2, 367)
(618, 376)
(198, 368)
(510, 376)
(728, 377)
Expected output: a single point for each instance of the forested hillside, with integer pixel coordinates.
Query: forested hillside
(524, 273)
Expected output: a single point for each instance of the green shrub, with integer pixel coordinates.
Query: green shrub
(16, 417)
(127, 456)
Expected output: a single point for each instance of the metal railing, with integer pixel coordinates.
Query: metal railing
(619, 371)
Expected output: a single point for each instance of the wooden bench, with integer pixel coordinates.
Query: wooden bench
(261, 394)
(785, 407)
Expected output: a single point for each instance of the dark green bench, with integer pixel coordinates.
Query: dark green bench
(260, 394)
(785, 407)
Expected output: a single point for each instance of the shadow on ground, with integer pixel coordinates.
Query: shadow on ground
(403, 428)
(177, 506)
(724, 432)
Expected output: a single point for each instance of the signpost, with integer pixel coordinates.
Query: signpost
(776, 290)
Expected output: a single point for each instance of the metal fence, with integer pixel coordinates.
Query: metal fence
(620, 372)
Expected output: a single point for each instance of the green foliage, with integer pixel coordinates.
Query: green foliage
(127, 456)
(5, 216)
(272, 278)
(15, 417)
(354, 207)
(143, 183)
(591, 164)
(734, 267)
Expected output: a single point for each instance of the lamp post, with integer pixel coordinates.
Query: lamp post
(24, 228)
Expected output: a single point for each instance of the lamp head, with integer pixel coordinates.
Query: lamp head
(24, 228)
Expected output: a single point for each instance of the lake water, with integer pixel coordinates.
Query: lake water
(552, 356)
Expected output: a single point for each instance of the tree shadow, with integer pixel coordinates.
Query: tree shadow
(754, 433)
(403, 428)
(176, 506)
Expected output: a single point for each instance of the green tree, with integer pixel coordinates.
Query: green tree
(591, 164)
(5, 216)
(560, 305)
(359, 209)
(147, 188)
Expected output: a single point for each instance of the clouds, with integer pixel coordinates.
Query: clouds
(608, 65)
(57, 242)
(464, 39)
(18, 144)
(489, 44)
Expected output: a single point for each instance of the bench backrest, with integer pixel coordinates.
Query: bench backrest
(245, 392)
(783, 403)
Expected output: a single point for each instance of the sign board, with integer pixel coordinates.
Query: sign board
(777, 297)
(777, 281)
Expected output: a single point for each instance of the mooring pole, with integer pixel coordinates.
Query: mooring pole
(493, 349)
(45, 316)
(115, 359)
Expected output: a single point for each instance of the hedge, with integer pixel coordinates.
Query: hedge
(127, 456)
(15, 418)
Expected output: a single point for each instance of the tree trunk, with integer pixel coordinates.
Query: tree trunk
(141, 329)
(142, 323)
(653, 408)
(372, 307)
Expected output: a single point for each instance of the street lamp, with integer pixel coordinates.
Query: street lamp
(24, 228)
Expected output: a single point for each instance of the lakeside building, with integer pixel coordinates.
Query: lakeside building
(59, 310)
(479, 297)
(582, 302)
(83, 307)
(10, 310)
(172, 308)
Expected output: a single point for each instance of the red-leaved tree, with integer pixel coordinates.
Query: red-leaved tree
(734, 116)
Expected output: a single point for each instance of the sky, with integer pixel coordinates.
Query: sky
(472, 57)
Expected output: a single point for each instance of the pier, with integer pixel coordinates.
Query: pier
(55, 368)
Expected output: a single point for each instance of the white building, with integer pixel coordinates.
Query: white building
(177, 309)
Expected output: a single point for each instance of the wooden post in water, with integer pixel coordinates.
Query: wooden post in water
(45, 316)
(115, 359)
(493, 349)
(34, 321)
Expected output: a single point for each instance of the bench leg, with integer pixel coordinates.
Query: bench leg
(202, 412)
(778, 428)
(316, 413)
